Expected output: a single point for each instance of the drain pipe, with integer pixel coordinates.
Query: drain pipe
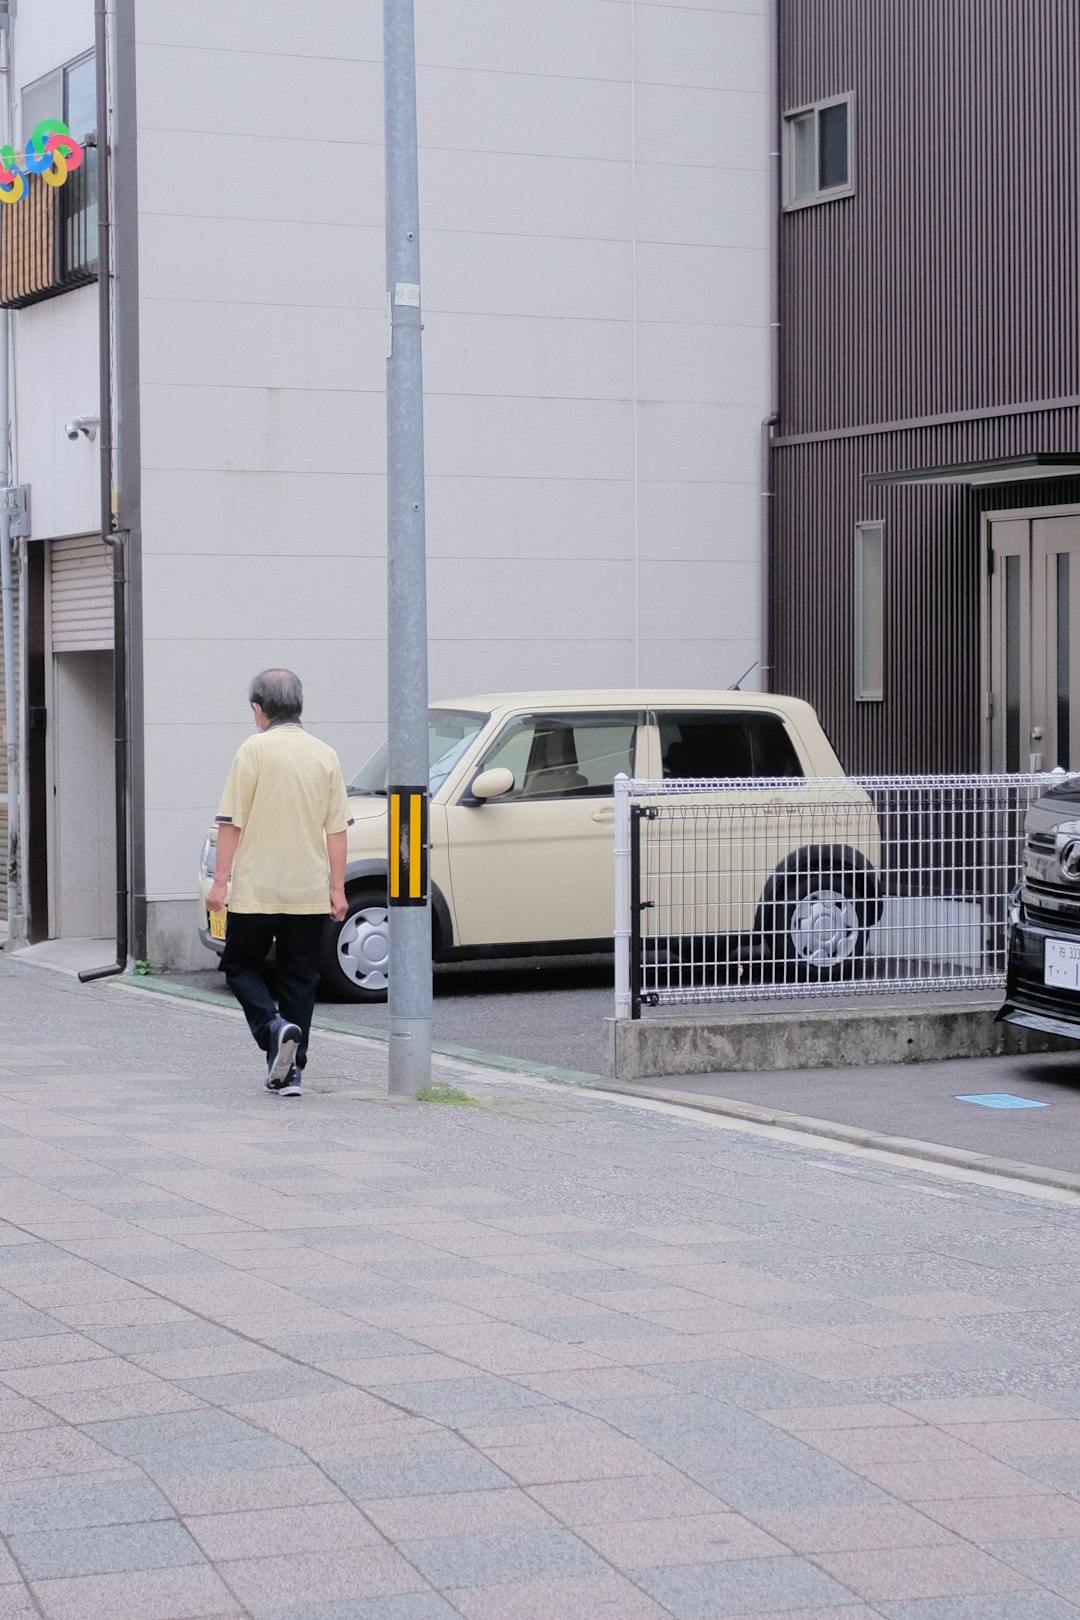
(769, 423)
(110, 535)
(11, 712)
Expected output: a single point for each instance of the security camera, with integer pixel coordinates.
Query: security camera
(81, 426)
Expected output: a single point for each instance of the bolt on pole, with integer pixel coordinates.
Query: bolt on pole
(408, 896)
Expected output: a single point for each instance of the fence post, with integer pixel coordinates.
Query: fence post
(622, 896)
(637, 816)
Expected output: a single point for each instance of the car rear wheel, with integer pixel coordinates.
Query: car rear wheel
(355, 961)
(815, 929)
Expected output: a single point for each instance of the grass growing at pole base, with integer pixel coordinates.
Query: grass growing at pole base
(449, 1096)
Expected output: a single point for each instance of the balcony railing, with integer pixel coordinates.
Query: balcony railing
(49, 240)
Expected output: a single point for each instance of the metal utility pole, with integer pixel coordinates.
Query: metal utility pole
(408, 894)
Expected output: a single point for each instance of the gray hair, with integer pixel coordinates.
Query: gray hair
(278, 693)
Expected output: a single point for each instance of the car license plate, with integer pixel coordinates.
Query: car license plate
(217, 924)
(1061, 964)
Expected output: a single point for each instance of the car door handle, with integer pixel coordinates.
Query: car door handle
(606, 816)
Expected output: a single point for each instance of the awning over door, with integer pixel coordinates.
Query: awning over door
(80, 595)
(1007, 470)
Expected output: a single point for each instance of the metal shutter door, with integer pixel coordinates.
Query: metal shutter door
(81, 595)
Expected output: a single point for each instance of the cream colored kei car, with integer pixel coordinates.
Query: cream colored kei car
(522, 833)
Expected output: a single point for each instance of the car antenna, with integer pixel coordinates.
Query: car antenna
(738, 684)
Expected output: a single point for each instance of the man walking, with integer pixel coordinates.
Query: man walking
(281, 839)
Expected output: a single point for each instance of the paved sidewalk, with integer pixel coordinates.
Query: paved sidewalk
(551, 1356)
(536, 1010)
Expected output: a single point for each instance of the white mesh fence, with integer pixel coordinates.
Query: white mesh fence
(733, 890)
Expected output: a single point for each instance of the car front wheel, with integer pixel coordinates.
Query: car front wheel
(356, 953)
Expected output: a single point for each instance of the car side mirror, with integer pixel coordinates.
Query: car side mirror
(492, 784)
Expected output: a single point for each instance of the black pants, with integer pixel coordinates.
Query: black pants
(248, 938)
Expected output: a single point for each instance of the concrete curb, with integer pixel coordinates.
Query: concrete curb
(853, 1135)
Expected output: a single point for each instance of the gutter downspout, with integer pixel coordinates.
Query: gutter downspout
(11, 712)
(771, 421)
(110, 535)
(127, 433)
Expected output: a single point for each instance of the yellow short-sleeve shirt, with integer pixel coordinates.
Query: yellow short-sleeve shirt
(285, 792)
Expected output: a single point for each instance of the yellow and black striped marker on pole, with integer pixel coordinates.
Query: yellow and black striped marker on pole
(408, 846)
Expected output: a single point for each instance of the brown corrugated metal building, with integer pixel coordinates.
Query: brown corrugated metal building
(929, 317)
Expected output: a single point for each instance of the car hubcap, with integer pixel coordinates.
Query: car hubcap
(824, 928)
(363, 948)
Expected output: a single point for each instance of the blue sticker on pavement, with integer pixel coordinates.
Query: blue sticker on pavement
(1003, 1099)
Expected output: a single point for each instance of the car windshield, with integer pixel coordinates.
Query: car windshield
(450, 731)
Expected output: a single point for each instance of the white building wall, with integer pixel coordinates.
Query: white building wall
(56, 378)
(594, 241)
(49, 33)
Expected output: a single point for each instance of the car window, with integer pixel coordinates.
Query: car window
(732, 745)
(450, 732)
(565, 756)
(774, 752)
(512, 752)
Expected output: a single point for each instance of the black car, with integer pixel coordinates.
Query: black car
(1042, 988)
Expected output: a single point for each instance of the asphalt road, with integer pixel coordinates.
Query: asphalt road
(1028, 1108)
(544, 1010)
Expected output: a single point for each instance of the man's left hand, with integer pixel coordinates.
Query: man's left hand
(339, 906)
(219, 890)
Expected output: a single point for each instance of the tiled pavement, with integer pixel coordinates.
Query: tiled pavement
(548, 1358)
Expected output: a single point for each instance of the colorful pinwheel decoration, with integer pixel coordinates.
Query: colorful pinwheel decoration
(52, 151)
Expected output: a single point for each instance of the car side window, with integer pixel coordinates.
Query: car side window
(774, 752)
(565, 756)
(511, 751)
(726, 745)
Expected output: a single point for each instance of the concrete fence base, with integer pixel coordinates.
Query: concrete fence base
(766, 1040)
